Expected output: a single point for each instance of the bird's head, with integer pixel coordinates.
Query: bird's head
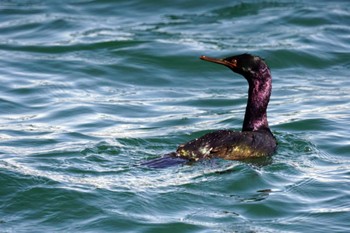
(245, 64)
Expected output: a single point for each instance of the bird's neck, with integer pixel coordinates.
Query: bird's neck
(258, 98)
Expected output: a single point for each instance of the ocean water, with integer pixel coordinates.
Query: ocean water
(90, 89)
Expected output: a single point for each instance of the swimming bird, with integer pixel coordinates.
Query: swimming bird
(255, 139)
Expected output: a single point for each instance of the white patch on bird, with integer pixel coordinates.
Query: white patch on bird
(205, 150)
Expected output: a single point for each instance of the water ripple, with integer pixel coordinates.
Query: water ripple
(91, 89)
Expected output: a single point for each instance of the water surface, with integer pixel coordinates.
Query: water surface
(91, 89)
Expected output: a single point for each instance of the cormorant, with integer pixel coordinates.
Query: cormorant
(255, 139)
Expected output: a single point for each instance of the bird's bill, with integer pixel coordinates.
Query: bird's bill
(218, 61)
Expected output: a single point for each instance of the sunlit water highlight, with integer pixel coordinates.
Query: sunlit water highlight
(89, 90)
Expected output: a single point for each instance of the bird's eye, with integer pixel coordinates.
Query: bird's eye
(234, 62)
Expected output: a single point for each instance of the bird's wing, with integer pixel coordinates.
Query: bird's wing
(226, 144)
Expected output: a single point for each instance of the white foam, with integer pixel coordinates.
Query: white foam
(128, 180)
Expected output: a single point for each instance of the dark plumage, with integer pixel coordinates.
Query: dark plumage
(255, 140)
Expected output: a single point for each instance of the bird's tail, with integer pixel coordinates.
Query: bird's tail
(167, 160)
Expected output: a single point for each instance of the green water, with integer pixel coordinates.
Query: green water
(91, 89)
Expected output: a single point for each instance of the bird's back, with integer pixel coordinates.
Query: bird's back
(228, 144)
